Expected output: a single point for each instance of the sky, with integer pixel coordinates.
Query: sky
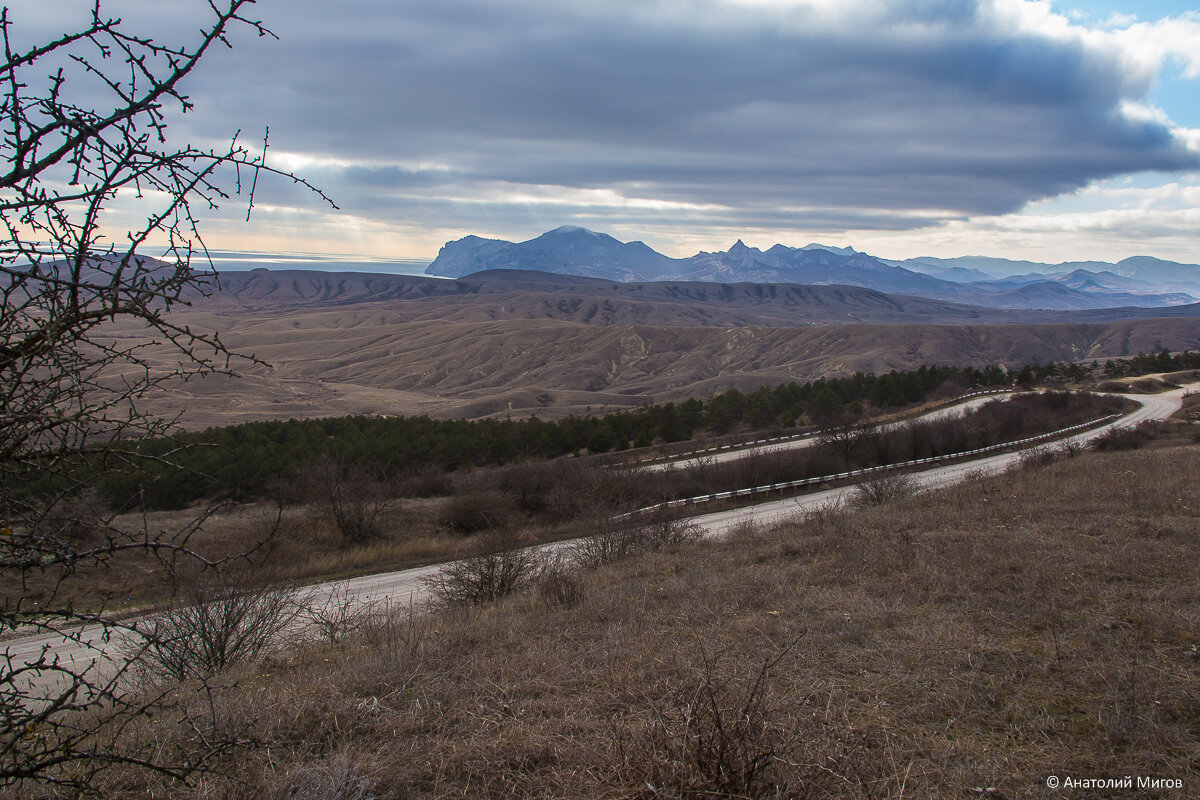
(1047, 131)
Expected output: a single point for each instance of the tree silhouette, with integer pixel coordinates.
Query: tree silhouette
(84, 120)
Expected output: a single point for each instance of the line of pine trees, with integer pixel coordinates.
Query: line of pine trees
(243, 461)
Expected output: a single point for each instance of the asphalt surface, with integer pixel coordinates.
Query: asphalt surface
(1152, 407)
(706, 459)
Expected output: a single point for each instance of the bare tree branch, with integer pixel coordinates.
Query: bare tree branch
(70, 389)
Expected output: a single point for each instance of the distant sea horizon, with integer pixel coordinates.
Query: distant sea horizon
(244, 261)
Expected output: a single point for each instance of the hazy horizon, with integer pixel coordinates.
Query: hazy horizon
(1043, 131)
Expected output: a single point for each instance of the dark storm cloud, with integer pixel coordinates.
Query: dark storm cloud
(873, 112)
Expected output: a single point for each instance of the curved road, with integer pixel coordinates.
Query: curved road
(795, 444)
(91, 645)
(1153, 407)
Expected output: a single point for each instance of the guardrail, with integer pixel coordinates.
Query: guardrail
(775, 487)
(788, 438)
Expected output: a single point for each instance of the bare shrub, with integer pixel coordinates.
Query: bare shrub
(884, 490)
(502, 567)
(972, 475)
(477, 511)
(337, 778)
(1123, 438)
(665, 529)
(850, 440)
(831, 518)
(745, 529)
(394, 639)
(1069, 448)
(611, 540)
(1038, 456)
(86, 114)
(614, 540)
(219, 622)
(719, 739)
(70, 521)
(425, 481)
(338, 613)
(352, 496)
(554, 491)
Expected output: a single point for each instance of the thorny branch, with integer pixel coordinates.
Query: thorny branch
(70, 384)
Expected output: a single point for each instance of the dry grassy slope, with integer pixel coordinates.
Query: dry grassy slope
(990, 635)
(376, 358)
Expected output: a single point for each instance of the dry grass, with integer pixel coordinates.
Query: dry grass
(296, 545)
(280, 546)
(1039, 623)
(381, 358)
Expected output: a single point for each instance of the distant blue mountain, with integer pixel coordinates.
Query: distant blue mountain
(577, 251)
(1143, 273)
(997, 283)
(811, 266)
(567, 250)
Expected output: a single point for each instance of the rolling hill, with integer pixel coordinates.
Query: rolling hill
(521, 343)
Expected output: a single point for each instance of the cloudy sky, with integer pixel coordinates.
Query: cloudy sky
(1042, 130)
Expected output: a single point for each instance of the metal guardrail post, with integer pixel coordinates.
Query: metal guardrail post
(865, 470)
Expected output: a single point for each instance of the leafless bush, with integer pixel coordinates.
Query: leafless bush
(553, 491)
(337, 778)
(1124, 438)
(1069, 448)
(745, 529)
(427, 481)
(336, 614)
(216, 624)
(1038, 456)
(972, 475)
(666, 528)
(478, 511)
(884, 490)
(613, 540)
(352, 496)
(829, 518)
(718, 738)
(395, 640)
(66, 522)
(502, 567)
(850, 440)
(86, 115)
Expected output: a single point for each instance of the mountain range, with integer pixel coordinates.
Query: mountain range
(1140, 281)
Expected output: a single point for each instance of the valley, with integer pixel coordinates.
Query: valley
(520, 343)
(594, 503)
(891, 584)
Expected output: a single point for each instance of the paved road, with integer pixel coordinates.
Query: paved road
(1152, 407)
(796, 444)
(91, 646)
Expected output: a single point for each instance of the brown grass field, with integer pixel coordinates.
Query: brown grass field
(370, 358)
(970, 642)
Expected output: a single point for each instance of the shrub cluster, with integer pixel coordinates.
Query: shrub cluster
(1147, 363)
(859, 447)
